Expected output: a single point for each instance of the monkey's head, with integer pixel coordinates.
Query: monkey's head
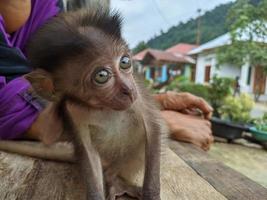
(82, 55)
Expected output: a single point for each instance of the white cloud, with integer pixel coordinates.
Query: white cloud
(145, 18)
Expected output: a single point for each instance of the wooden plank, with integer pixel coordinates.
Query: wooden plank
(180, 181)
(230, 183)
(24, 178)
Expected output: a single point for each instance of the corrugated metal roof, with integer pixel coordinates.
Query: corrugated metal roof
(217, 42)
(226, 40)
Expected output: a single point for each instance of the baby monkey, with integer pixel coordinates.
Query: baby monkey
(83, 65)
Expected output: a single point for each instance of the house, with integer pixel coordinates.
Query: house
(160, 65)
(252, 79)
(182, 49)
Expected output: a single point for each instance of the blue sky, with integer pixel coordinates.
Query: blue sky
(145, 18)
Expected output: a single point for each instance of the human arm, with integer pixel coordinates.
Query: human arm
(23, 116)
(188, 128)
(194, 126)
(184, 102)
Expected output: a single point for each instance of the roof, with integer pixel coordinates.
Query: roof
(226, 40)
(162, 56)
(181, 48)
(217, 42)
(139, 56)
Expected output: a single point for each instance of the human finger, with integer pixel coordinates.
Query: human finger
(199, 103)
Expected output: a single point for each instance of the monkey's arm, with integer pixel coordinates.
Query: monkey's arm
(151, 185)
(61, 151)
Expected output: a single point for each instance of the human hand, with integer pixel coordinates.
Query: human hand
(189, 128)
(184, 102)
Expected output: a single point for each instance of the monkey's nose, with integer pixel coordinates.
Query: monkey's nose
(127, 92)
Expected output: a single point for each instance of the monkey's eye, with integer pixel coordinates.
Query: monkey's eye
(102, 76)
(125, 62)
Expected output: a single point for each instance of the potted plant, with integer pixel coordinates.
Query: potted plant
(234, 114)
(259, 129)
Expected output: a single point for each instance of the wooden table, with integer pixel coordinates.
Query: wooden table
(187, 173)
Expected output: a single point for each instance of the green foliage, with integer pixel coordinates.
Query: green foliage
(246, 18)
(237, 109)
(213, 93)
(140, 47)
(148, 83)
(196, 89)
(219, 89)
(182, 84)
(178, 81)
(212, 26)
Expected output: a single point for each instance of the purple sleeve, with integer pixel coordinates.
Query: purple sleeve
(18, 109)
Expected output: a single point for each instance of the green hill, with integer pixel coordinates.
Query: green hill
(212, 26)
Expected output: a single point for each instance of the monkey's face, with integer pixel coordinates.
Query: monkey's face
(112, 85)
(108, 81)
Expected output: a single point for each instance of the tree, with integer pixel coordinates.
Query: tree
(247, 22)
(140, 47)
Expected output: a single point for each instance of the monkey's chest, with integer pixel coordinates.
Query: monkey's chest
(117, 135)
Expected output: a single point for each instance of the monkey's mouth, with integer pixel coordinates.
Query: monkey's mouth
(123, 102)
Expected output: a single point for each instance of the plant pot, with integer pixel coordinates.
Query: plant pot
(227, 129)
(258, 135)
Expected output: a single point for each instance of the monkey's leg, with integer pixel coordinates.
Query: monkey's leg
(91, 167)
(151, 185)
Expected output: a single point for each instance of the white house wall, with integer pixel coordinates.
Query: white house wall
(202, 61)
(200, 71)
(225, 70)
(244, 78)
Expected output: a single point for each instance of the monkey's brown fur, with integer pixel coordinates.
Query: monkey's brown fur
(116, 126)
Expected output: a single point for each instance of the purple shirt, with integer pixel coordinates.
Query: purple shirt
(17, 108)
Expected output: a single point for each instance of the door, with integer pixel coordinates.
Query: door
(207, 73)
(259, 81)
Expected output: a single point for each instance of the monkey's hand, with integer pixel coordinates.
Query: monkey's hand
(185, 103)
(48, 127)
(189, 128)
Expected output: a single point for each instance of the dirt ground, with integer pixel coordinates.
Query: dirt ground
(250, 161)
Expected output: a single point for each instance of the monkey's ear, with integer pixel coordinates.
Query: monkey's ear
(41, 82)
